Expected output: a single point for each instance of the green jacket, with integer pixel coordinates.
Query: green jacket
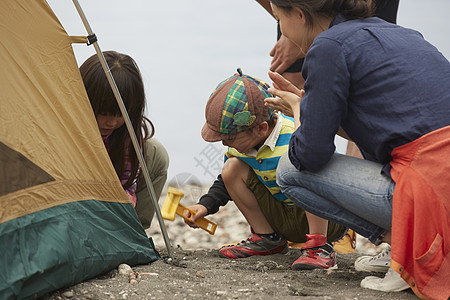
(157, 160)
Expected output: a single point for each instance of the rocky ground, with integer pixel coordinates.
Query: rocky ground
(197, 272)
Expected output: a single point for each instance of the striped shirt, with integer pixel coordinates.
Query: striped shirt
(264, 162)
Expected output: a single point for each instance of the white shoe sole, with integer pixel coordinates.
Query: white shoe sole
(380, 284)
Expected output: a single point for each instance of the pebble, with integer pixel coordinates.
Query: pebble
(68, 294)
(200, 274)
(124, 269)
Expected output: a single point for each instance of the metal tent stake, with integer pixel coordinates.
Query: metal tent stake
(129, 126)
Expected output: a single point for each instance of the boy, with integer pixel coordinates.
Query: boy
(256, 138)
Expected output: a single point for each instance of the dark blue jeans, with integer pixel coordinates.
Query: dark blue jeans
(348, 191)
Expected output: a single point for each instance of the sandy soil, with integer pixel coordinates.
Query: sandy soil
(202, 274)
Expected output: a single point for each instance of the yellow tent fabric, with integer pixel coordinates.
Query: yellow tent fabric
(57, 184)
(39, 77)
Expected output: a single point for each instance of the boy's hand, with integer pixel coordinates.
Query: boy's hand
(200, 211)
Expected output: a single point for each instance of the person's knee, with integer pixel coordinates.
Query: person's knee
(282, 170)
(234, 169)
(156, 156)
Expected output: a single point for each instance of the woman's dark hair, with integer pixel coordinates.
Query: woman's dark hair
(351, 9)
(131, 87)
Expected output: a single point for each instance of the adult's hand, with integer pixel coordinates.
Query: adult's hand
(280, 101)
(284, 54)
(287, 97)
(281, 83)
(200, 211)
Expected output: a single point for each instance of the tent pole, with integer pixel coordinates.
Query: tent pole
(130, 129)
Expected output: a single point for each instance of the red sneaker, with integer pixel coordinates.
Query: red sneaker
(255, 245)
(316, 254)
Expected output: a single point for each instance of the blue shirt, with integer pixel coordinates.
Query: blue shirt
(384, 84)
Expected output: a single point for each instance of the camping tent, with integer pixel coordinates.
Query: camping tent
(64, 216)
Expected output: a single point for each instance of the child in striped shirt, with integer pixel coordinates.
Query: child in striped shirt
(257, 137)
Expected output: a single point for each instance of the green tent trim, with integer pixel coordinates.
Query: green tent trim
(66, 244)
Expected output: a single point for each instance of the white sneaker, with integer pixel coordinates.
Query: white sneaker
(392, 282)
(378, 263)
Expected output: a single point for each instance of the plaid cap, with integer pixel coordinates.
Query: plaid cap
(236, 105)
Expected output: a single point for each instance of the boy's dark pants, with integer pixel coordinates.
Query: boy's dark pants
(289, 221)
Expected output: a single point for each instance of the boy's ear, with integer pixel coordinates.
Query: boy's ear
(262, 128)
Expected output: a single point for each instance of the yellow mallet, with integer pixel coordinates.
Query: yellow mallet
(172, 205)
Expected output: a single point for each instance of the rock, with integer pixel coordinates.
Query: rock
(68, 294)
(200, 274)
(124, 269)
